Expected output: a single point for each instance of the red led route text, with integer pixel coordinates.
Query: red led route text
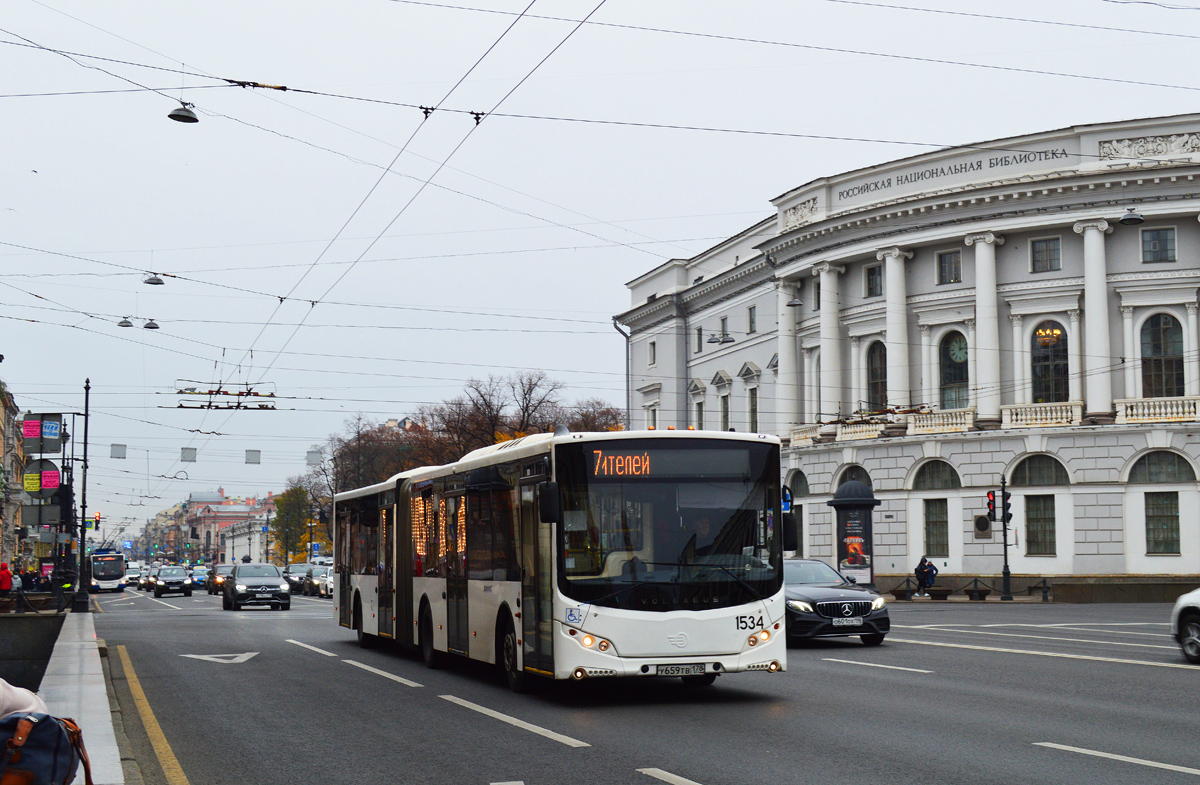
(621, 465)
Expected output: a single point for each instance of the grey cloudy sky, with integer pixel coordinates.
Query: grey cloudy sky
(515, 254)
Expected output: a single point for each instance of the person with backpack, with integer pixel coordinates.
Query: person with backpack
(925, 573)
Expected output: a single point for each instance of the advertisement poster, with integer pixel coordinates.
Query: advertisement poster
(854, 545)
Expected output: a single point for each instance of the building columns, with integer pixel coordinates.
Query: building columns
(1131, 364)
(972, 355)
(1074, 359)
(985, 366)
(1020, 357)
(809, 386)
(857, 375)
(1097, 358)
(899, 386)
(831, 381)
(928, 396)
(787, 382)
(1191, 384)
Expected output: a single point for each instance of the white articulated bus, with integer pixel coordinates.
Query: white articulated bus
(575, 556)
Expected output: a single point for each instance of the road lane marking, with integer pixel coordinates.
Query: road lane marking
(1050, 638)
(667, 776)
(384, 674)
(158, 740)
(1124, 758)
(224, 659)
(549, 734)
(312, 648)
(876, 665)
(1051, 654)
(160, 602)
(1120, 632)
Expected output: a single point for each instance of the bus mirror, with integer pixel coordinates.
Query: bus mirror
(549, 506)
(791, 537)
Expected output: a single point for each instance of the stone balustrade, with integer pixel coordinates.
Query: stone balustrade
(1041, 415)
(847, 432)
(946, 421)
(805, 435)
(1139, 410)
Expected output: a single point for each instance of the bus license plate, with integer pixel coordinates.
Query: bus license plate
(696, 669)
(853, 621)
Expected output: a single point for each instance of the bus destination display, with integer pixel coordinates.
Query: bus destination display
(702, 462)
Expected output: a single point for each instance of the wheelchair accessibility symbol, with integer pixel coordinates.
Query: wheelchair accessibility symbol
(574, 615)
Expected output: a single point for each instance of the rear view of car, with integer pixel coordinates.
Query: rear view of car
(1185, 625)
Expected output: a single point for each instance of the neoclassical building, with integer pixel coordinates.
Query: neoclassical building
(1023, 308)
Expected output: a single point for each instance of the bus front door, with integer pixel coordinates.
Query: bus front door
(457, 633)
(537, 586)
(387, 573)
(341, 560)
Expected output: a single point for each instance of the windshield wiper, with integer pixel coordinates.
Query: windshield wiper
(753, 592)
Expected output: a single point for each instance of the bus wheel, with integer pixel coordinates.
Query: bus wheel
(507, 659)
(699, 681)
(365, 640)
(432, 657)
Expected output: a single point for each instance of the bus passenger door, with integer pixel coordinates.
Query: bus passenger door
(457, 632)
(387, 576)
(537, 585)
(342, 564)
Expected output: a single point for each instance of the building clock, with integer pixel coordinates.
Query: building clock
(958, 349)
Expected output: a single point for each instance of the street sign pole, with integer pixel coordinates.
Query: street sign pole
(82, 604)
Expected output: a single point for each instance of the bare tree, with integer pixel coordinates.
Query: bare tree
(535, 399)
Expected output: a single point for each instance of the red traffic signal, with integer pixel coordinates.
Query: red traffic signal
(991, 505)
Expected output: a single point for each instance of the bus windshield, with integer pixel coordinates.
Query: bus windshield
(657, 526)
(108, 568)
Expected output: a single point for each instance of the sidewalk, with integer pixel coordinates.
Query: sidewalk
(74, 687)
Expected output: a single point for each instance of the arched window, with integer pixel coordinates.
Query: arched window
(799, 485)
(936, 476)
(952, 367)
(1049, 363)
(877, 377)
(1162, 357)
(855, 473)
(1162, 466)
(1039, 470)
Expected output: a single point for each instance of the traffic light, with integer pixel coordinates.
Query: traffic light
(95, 521)
(1007, 508)
(991, 505)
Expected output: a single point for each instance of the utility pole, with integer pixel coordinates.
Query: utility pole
(82, 603)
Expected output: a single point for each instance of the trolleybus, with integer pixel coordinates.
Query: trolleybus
(108, 571)
(575, 556)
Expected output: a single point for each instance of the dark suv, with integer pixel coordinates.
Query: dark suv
(295, 575)
(256, 584)
(172, 580)
(215, 580)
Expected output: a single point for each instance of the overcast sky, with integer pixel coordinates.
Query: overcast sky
(302, 256)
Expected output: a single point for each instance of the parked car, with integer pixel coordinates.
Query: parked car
(215, 579)
(199, 574)
(821, 604)
(256, 584)
(147, 578)
(1185, 625)
(314, 581)
(172, 580)
(295, 575)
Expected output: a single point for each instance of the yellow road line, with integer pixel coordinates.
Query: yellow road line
(166, 758)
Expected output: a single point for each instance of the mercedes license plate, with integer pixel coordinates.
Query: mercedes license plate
(263, 595)
(695, 669)
(853, 621)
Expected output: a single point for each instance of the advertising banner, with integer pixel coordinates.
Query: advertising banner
(854, 544)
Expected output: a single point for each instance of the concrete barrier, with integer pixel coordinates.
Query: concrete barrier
(26, 645)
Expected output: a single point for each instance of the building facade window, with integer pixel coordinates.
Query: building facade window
(752, 405)
(857, 474)
(949, 267)
(699, 339)
(724, 326)
(1045, 255)
(1039, 470)
(1048, 359)
(936, 476)
(1162, 522)
(652, 416)
(1039, 525)
(652, 353)
(816, 294)
(1158, 245)
(874, 282)
(724, 412)
(937, 529)
(1162, 357)
(877, 377)
(752, 319)
(953, 372)
(699, 415)
(1162, 466)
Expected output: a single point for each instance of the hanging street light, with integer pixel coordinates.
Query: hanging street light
(183, 113)
(150, 325)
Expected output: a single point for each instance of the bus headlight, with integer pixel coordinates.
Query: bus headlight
(878, 603)
(764, 636)
(800, 606)
(603, 645)
(588, 641)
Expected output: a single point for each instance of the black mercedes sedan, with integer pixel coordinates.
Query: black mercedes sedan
(172, 580)
(823, 604)
(255, 584)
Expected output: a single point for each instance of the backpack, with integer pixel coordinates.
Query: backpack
(41, 750)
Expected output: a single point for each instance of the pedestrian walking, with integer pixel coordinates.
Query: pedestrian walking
(5, 580)
(925, 572)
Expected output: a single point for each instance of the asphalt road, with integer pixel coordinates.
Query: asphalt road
(959, 693)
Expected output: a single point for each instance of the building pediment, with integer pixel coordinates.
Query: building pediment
(749, 372)
(721, 379)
